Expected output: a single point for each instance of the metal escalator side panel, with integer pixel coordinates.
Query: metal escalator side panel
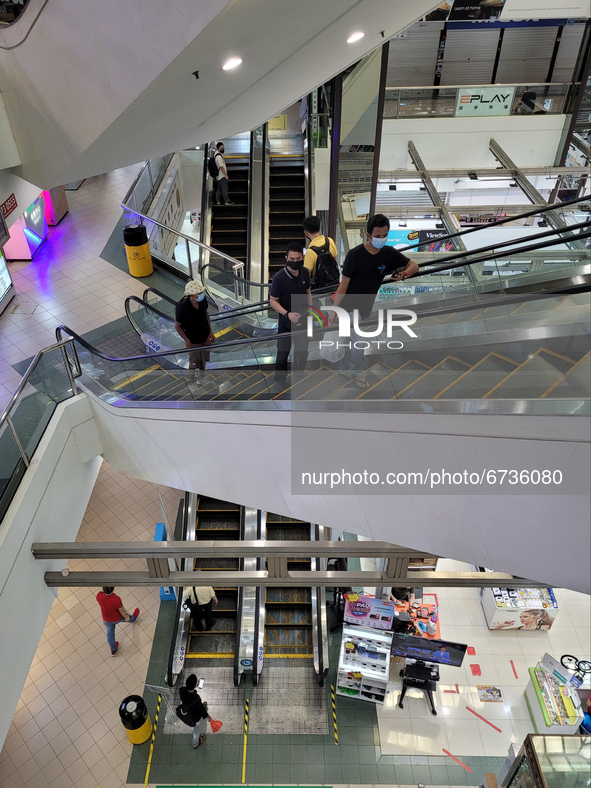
(319, 619)
(247, 607)
(259, 641)
(184, 616)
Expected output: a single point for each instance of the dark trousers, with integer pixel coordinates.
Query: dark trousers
(284, 344)
(200, 612)
(222, 190)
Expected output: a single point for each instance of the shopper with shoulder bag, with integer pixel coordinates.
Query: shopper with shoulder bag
(193, 711)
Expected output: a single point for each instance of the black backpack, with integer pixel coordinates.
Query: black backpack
(327, 270)
(212, 167)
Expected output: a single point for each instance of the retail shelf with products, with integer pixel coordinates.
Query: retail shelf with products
(520, 608)
(364, 663)
(553, 707)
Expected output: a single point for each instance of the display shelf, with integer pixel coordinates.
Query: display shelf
(526, 609)
(364, 664)
(554, 708)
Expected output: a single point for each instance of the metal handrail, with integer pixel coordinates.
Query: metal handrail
(496, 85)
(5, 416)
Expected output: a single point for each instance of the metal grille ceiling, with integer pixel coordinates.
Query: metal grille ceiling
(570, 44)
(526, 55)
(469, 57)
(411, 60)
(418, 198)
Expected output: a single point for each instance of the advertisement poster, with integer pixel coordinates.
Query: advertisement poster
(466, 10)
(401, 238)
(430, 241)
(366, 611)
(476, 102)
(488, 694)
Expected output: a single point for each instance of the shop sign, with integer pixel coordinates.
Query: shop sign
(479, 101)
(367, 611)
(9, 205)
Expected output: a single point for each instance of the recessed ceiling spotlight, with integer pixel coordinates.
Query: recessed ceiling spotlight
(233, 62)
(355, 37)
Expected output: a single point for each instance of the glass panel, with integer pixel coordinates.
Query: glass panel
(142, 191)
(539, 99)
(564, 760)
(13, 468)
(427, 102)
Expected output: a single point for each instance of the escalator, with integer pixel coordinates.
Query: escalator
(287, 206)
(229, 223)
(217, 520)
(288, 611)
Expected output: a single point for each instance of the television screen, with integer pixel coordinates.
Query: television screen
(439, 651)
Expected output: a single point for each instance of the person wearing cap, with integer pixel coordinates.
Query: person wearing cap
(194, 327)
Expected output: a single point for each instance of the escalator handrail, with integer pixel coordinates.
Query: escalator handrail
(319, 623)
(527, 214)
(517, 298)
(510, 242)
(239, 608)
(160, 294)
(179, 604)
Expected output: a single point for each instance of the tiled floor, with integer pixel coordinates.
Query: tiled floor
(414, 731)
(67, 282)
(66, 730)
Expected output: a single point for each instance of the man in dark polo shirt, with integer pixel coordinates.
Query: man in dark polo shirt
(363, 272)
(293, 279)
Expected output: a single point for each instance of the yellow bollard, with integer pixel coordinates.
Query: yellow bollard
(135, 719)
(137, 250)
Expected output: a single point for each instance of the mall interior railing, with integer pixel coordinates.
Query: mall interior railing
(466, 100)
(49, 380)
(144, 188)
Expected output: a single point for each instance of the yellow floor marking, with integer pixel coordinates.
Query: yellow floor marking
(410, 385)
(523, 363)
(135, 377)
(468, 371)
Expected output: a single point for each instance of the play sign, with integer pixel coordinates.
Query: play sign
(479, 101)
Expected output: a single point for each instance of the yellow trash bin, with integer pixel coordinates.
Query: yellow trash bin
(137, 249)
(136, 719)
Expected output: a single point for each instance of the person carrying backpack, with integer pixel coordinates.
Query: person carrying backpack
(321, 255)
(216, 166)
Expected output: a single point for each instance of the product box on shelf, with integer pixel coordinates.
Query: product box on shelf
(364, 663)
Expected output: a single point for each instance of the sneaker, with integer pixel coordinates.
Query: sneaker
(116, 648)
(136, 612)
(230, 203)
(195, 386)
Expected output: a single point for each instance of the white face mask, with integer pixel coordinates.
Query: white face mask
(200, 297)
(378, 243)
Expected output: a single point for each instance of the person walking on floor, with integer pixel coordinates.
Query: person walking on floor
(113, 613)
(200, 602)
(364, 270)
(222, 176)
(193, 325)
(195, 709)
(292, 280)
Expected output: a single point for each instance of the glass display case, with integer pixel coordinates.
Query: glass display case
(554, 707)
(364, 664)
(551, 762)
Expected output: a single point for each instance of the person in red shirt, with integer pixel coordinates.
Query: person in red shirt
(113, 613)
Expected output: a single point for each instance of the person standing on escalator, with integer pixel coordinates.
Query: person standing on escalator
(221, 179)
(293, 279)
(200, 602)
(194, 327)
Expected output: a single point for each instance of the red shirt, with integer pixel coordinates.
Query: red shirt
(109, 606)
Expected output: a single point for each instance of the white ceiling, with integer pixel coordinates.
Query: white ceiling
(99, 86)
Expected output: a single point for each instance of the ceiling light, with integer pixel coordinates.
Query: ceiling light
(233, 62)
(355, 37)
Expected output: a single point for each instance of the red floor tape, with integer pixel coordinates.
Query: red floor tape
(471, 651)
(480, 717)
(457, 760)
(514, 671)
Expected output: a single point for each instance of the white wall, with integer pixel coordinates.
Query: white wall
(463, 142)
(49, 506)
(234, 456)
(191, 172)
(8, 151)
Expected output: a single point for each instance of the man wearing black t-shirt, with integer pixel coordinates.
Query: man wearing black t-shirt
(363, 272)
(293, 279)
(193, 326)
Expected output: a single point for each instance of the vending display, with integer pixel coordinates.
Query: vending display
(519, 608)
(364, 664)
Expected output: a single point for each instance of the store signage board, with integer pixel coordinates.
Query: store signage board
(554, 668)
(9, 205)
(366, 611)
(481, 101)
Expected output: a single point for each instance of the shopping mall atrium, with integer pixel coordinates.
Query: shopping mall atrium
(295, 381)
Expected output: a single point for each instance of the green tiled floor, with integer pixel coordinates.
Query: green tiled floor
(289, 759)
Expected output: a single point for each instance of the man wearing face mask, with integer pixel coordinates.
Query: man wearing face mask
(293, 279)
(194, 328)
(363, 272)
(222, 176)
